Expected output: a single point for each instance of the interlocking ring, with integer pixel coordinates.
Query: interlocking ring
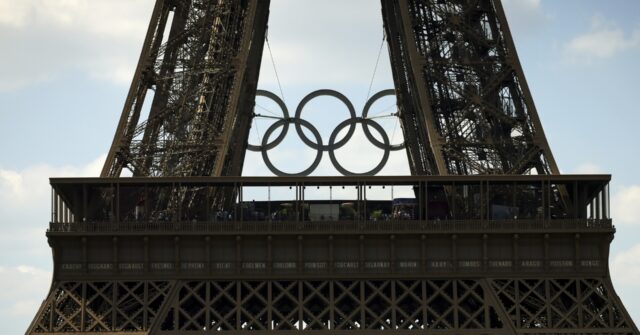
(365, 127)
(285, 129)
(333, 144)
(365, 123)
(285, 123)
(327, 93)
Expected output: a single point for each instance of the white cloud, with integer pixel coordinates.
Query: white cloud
(524, 16)
(625, 205)
(521, 6)
(25, 207)
(102, 39)
(124, 16)
(605, 40)
(14, 13)
(625, 267)
(45, 39)
(24, 289)
(24, 213)
(588, 168)
(29, 187)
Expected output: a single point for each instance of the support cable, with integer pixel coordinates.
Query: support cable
(395, 127)
(384, 110)
(273, 63)
(375, 69)
(257, 130)
(266, 110)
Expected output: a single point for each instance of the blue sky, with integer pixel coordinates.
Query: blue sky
(67, 66)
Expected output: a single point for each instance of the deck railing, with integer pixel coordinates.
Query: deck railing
(330, 203)
(414, 226)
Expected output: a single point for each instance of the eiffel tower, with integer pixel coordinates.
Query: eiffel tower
(493, 240)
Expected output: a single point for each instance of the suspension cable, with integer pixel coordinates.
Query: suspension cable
(395, 126)
(375, 69)
(255, 122)
(266, 110)
(273, 63)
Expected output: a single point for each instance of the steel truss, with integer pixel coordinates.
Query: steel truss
(469, 306)
(201, 60)
(464, 102)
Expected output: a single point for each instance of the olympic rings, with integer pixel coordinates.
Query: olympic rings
(285, 123)
(328, 93)
(365, 128)
(285, 129)
(332, 146)
(351, 123)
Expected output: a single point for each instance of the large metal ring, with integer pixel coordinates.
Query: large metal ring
(330, 93)
(283, 123)
(352, 122)
(285, 128)
(333, 144)
(365, 126)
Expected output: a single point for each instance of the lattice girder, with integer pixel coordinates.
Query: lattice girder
(471, 306)
(560, 303)
(347, 305)
(458, 77)
(101, 306)
(200, 61)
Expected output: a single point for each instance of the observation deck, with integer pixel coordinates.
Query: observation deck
(333, 227)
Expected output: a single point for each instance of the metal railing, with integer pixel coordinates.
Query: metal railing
(266, 227)
(390, 199)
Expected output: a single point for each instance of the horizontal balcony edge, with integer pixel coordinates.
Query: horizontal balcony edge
(332, 227)
(313, 180)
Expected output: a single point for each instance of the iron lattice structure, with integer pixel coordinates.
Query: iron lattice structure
(201, 60)
(464, 102)
(500, 306)
(484, 248)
